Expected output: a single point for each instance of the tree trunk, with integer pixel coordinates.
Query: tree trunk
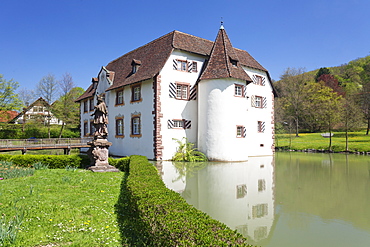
(296, 128)
(24, 123)
(347, 140)
(61, 130)
(368, 126)
(329, 137)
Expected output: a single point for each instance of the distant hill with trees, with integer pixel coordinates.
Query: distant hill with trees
(324, 99)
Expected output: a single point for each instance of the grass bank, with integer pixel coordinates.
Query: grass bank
(74, 207)
(357, 142)
(64, 207)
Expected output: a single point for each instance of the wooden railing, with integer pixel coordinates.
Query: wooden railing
(17, 144)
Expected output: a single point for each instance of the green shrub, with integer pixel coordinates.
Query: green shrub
(123, 164)
(15, 131)
(149, 214)
(112, 161)
(52, 161)
(187, 152)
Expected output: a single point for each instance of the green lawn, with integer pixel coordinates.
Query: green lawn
(357, 142)
(62, 207)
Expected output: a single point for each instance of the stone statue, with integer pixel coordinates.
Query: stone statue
(98, 151)
(100, 118)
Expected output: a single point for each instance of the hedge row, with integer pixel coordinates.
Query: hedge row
(15, 131)
(53, 161)
(62, 161)
(149, 214)
(122, 164)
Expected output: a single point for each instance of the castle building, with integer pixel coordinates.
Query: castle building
(182, 86)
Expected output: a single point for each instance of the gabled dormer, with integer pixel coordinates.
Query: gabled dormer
(135, 65)
(98, 84)
(106, 76)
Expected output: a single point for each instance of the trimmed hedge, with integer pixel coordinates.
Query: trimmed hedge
(15, 131)
(149, 214)
(122, 164)
(53, 161)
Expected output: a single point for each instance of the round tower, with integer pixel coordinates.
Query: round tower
(222, 106)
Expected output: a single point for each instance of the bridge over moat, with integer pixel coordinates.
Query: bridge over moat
(38, 144)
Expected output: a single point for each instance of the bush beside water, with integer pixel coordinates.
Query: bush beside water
(150, 214)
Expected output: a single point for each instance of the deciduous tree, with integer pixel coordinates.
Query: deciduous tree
(325, 106)
(291, 89)
(332, 82)
(9, 100)
(364, 96)
(351, 114)
(27, 96)
(65, 108)
(320, 72)
(48, 89)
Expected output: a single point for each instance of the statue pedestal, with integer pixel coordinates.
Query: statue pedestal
(107, 168)
(98, 153)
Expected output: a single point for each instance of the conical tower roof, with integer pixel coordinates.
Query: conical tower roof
(223, 61)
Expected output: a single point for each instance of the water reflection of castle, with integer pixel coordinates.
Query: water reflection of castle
(239, 194)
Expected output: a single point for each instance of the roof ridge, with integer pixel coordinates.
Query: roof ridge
(147, 44)
(223, 33)
(193, 36)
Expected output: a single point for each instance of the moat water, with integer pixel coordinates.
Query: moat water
(290, 199)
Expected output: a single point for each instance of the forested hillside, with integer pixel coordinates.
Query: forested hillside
(323, 100)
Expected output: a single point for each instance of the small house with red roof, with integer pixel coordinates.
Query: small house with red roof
(37, 112)
(182, 86)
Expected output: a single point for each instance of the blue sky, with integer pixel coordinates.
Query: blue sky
(39, 37)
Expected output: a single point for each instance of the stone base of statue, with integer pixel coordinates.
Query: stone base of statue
(98, 153)
(107, 168)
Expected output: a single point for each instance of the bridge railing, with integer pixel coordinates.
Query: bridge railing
(52, 142)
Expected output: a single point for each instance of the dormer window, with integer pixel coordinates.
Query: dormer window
(135, 68)
(234, 62)
(135, 65)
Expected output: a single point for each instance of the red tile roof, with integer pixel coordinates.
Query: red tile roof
(223, 61)
(6, 116)
(89, 92)
(153, 56)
